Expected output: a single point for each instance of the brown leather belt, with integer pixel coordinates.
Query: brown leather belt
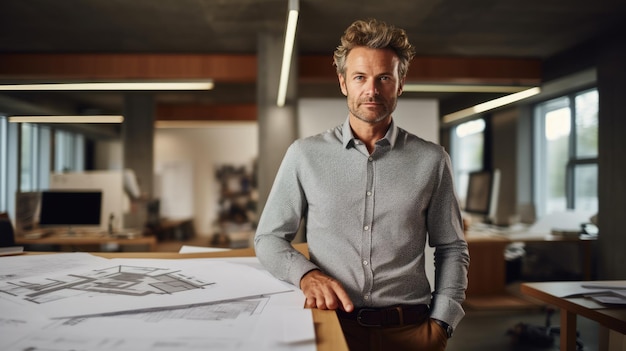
(394, 316)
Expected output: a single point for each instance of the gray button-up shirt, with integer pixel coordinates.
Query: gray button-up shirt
(368, 218)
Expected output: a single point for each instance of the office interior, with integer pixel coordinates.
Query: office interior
(186, 149)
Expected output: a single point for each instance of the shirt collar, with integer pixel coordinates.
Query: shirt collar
(348, 137)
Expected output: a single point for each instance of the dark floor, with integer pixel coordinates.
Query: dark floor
(487, 330)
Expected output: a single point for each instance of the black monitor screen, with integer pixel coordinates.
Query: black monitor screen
(70, 208)
(479, 190)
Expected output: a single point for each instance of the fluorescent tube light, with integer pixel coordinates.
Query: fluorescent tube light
(491, 104)
(461, 88)
(290, 36)
(199, 124)
(162, 85)
(67, 119)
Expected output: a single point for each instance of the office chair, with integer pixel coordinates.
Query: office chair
(541, 336)
(7, 234)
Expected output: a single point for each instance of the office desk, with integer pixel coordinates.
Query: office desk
(612, 318)
(329, 336)
(487, 271)
(82, 240)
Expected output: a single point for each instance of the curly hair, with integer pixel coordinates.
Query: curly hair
(374, 34)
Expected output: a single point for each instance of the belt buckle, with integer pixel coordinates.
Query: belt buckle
(359, 318)
(400, 315)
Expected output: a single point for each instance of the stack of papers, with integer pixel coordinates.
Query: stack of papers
(11, 250)
(607, 292)
(77, 301)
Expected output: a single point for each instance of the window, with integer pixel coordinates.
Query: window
(566, 158)
(34, 157)
(468, 143)
(69, 152)
(34, 143)
(28, 157)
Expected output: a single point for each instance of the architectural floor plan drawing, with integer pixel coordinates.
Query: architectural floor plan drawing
(73, 302)
(227, 311)
(117, 280)
(123, 285)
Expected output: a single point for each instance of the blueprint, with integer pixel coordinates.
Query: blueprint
(137, 304)
(120, 285)
(237, 325)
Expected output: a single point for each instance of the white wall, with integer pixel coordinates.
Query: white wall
(198, 151)
(418, 116)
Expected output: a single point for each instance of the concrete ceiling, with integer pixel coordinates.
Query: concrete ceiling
(522, 29)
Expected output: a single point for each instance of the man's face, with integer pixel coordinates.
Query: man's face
(371, 83)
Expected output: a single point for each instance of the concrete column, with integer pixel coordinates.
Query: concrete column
(138, 141)
(277, 125)
(612, 169)
(138, 138)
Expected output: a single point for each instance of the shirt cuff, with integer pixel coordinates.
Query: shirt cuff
(298, 271)
(447, 310)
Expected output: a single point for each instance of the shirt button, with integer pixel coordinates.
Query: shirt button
(369, 193)
(370, 158)
(365, 263)
(366, 227)
(367, 297)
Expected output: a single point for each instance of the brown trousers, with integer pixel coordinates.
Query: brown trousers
(428, 336)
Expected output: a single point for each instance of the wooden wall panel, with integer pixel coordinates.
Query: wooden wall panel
(441, 70)
(220, 68)
(243, 68)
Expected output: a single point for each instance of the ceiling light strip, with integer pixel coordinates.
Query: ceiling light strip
(179, 85)
(67, 119)
(491, 104)
(461, 88)
(290, 37)
(182, 124)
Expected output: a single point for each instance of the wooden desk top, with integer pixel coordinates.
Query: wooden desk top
(86, 239)
(555, 293)
(526, 237)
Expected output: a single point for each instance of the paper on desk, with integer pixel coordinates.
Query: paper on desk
(194, 249)
(17, 267)
(608, 292)
(591, 288)
(17, 322)
(247, 324)
(294, 333)
(294, 298)
(613, 297)
(618, 284)
(11, 250)
(139, 284)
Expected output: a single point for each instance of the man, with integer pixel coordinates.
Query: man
(370, 193)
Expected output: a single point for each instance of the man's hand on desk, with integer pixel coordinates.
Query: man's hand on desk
(324, 292)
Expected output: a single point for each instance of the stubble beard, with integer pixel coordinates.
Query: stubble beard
(354, 110)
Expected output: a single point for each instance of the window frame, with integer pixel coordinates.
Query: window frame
(463, 173)
(540, 110)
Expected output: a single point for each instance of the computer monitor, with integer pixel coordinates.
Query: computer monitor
(482, 194)
(70, 208)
